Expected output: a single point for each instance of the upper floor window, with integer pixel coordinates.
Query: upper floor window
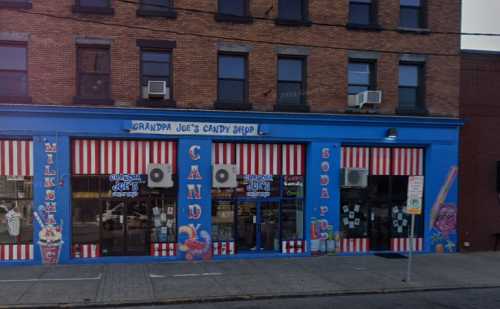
(292, 9)
(164, 8)
(13, 70)
(291, 81)
(411, 14)
(94, 70)
(410, 87)
(233, 7)
(361, 12)
(156, 67)
(93, 7)
(361, 76)
(232, 79)
(21, 4)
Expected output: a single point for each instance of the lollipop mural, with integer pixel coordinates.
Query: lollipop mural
(443, 221)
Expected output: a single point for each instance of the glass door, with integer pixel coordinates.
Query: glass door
(269, 232)
(380, 225)
(246, 222)
(136, 234)
(112, 219)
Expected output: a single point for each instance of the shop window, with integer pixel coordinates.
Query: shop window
(292, 219)
(223, 220)
(410, 87)
(361, 12)
(102, 7)
(411, 14)
(361, 76)
(232, 80)
(18, 4)
(13, 71)
(233, 7)
(16, 210)
(94, 75)
(94, 3)
(162, 8)
(291, 81)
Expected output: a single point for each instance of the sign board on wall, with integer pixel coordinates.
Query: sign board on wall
(192, 128)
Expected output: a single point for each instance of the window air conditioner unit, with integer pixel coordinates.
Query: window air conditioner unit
(160, 176)
(354, 177)
(224, 176)
(157, 89)
(365, 97)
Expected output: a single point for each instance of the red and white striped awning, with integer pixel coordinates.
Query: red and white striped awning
(408, 161)
(261, 159)
(355, 157)
(16, 158)
(103, 157)
(380, 161)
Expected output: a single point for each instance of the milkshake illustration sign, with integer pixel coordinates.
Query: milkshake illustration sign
(50, 234)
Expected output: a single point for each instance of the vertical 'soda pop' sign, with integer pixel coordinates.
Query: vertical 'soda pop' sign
(50, 234)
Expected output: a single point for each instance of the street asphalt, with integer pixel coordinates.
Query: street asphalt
(258, 280)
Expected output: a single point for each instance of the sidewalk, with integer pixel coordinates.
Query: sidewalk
(99, 285)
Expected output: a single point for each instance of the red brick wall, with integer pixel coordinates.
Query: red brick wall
(479, 215)
(52, 52)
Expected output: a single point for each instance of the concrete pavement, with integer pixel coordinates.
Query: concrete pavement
(184, 282)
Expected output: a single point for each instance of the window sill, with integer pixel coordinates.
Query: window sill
(370, 27)
(172, 14)
(291, 108)
(16, 100)
(293, 22)
(90, 101)
(155, 103)
(412, 112)
(414, 30)
(233, 18)
(15, 5)
(93, 10)
(232, 106)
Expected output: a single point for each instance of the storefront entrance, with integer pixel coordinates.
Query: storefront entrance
(257, 226)
(124, 227)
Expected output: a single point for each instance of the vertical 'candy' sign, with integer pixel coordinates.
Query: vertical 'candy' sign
(194, 239)
(50, 234)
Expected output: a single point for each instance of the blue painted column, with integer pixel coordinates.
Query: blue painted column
(52, 199)
(194, 201)
(441, 198)
(323, 196)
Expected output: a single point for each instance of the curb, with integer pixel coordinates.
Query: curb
(250, 297)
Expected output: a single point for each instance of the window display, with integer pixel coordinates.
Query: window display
(16, 215)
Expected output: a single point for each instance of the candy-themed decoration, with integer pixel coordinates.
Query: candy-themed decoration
(222, 248)
(103, 157)
(163, 249)
(351, 216)
(12, 252)
(400, 220)
(261, 159)
(197, 242)
(86, 251)
(16, 158)
(380, 161)
(355, 245)
(403, 244)
(293, 246)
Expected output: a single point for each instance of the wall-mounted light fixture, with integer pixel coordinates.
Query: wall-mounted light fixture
(391, 134)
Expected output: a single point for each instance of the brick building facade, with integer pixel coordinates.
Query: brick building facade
(251, 149)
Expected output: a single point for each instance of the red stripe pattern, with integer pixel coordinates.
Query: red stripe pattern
(86, 251)
(261, 159)
(104, 157)
(16, 252)
(163, 249)
(222, 248)
(403, 244)
(355, 245)
(408, 161)
(293, 246)
(355, 157)
(16, 158)
(380, 161)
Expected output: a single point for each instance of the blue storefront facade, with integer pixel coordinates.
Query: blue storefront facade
(290, 199)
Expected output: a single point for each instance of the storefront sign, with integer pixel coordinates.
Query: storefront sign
(258, 185)
(125, 185)
(193, 128)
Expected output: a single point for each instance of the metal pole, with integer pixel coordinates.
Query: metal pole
(410, 252)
